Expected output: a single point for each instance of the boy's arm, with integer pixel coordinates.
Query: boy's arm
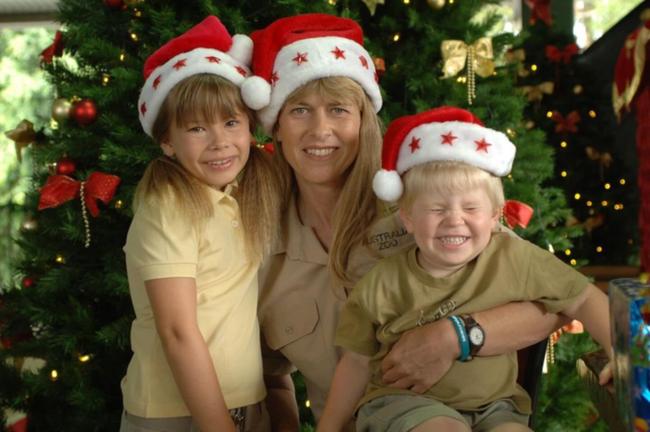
(592, 309)
(424, 354)
(174, 306)
(281, 403)
(348, 385)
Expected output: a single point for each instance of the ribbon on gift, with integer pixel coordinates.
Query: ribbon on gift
(536, 92)
(566, 124)
(478, 57)
(517, 213)
(540, 10)
(59, 189)
(564, 55)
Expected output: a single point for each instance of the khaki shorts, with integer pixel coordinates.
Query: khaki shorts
(400, 413)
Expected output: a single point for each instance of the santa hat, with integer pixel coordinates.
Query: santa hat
(440, 134)
(295, 50)
(205, 48)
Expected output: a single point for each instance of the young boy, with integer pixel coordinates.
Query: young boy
(450, 164)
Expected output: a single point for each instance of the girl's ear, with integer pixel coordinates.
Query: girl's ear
(407, 220)
(167, 148)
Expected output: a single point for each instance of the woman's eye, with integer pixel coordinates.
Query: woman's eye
(339, 110)
(299, 110)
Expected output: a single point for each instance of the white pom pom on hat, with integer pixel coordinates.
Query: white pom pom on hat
(256, 92)
(440, 134)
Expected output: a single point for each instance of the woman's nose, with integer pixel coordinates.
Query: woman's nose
(321, 125)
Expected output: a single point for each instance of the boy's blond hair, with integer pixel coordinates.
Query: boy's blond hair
(446, 178)
(210, 96)
(356, 208)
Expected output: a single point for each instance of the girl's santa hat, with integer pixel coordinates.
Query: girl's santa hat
(440, 134)
(295, 50)
(205, 48)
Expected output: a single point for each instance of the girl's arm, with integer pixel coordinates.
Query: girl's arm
(592, 309)
(348, 385)
(174, 306)
(281, 403)
(423, 355)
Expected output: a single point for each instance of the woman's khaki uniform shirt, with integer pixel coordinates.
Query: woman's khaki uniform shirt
(299, 307)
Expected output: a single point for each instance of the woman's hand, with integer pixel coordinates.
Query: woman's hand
(421, 356)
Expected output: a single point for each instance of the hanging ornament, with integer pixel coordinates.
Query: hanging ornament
(84, 112)
(436, 4)
(477, 56)
(28, 282)
(54, 50)
(566, 124)
(540, 10)
(380, 66)
(59, 189)
(372, 5)
(65, 166)
(22, 136)
(535, 93)
(561, 55)
(114, 4)
(61, 109)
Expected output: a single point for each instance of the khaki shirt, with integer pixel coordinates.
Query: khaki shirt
(299, 306)
(398, 294)
(161, 244)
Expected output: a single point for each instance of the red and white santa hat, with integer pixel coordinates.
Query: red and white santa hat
(295, 50)
(441, 134)
(205, 48)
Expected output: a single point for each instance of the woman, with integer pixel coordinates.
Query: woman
(317, 95)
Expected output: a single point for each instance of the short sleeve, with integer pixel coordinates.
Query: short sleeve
(356, 330)
(161, 243)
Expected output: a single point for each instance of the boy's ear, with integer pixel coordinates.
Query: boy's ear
(405, 215)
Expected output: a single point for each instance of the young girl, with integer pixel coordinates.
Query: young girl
(196, 240)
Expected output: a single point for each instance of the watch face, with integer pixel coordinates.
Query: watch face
(476, 336)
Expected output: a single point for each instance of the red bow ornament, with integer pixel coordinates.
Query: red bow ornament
(566, 124)
(564, 55)
(59, 189)
(517, 213)
(54, 50)
(540, 9)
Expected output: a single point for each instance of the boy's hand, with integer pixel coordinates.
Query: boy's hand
(605, 375)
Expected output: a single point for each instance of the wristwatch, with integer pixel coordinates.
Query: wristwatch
(475, 334)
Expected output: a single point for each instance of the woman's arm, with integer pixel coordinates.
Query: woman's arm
(281, 403)
(174, 306)
(424, 354)
(349, 383)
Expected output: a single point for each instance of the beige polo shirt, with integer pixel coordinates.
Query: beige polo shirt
(162, 244)
(299, 307)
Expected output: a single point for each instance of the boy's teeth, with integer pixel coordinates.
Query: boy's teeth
(320, 152)
(453, 240)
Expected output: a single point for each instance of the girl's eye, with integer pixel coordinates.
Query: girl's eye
(232, 122)
(196, 129)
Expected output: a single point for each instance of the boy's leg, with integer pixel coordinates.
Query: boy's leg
(402, 413)
(511, 427)
(499, 416)
(446, 424)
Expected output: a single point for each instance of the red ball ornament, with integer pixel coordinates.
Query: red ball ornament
(28, 282)
(65, 166)
(84, 112)
(114, 4)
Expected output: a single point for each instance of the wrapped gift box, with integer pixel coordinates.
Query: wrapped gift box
(630, 314)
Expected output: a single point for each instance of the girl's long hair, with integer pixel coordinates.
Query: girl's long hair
(356, 208)
(210, 96)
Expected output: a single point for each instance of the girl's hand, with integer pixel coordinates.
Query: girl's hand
(605, 375)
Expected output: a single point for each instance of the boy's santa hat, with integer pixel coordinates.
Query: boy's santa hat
(440, 134)
(205, 48)
(293, 51)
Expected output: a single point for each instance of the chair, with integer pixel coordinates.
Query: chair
(531, 362)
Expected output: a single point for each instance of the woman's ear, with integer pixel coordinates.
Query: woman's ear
(407, 220)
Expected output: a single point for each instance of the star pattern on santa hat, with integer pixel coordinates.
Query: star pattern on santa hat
(274, 78)
(213, 59)
(338, 53)
(180, 64)
(448, 138)
(364, 61)
(482, 145)
(156, 82)
(241, 71)
(414, 144)
(143, 108)
(300, 58)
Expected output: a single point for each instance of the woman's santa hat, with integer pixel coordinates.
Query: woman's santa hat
(205, 48)
(295, 50)
(440, 134)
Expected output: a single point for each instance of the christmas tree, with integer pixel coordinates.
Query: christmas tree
(75, 313)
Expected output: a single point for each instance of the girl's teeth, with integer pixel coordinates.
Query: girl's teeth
(320, 152)
(453, 240)
(218, 163)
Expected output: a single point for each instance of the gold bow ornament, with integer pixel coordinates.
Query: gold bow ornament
(535, 93)
(478, 57)
(23, 135)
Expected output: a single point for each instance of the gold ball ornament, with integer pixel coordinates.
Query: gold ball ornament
(436, 4)
(61, 109)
